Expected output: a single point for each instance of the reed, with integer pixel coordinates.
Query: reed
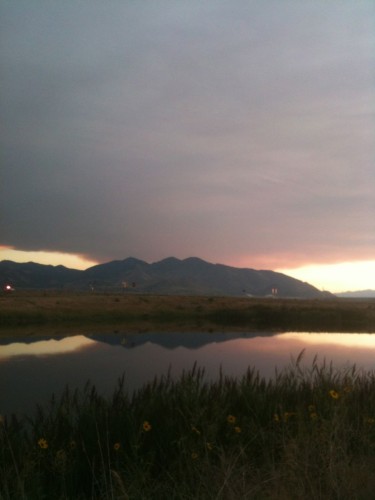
(305, 433)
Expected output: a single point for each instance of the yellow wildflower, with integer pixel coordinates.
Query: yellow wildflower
(288, 414)
(231, 419)
(60, 458)
(116, 446)
(237, 429)
(43, 444)
(334, 394)
(60, 455)
(146, 426)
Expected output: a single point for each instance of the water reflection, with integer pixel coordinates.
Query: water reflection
(39, 347)
(32, 369)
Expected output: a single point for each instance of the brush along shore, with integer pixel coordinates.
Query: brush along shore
(307, 433)
(62, 310)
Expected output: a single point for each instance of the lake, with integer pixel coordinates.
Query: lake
(33, 368)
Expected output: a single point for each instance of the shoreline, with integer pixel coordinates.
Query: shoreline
(32, 312)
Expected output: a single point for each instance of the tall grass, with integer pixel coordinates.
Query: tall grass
(306, 433)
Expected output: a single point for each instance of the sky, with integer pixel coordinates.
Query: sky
(238, 131)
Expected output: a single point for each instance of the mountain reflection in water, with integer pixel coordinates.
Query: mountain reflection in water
(33, 368)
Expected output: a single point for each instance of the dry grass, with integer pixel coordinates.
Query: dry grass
(55, 310)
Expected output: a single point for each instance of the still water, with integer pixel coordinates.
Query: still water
(32, 369)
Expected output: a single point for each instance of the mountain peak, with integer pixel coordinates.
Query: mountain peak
(168, 261)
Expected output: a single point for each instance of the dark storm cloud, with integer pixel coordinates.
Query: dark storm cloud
(228, 130)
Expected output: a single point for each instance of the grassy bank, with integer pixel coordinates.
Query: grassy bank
(63, 310)
(304, 434)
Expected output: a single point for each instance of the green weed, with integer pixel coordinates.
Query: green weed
(306, 433)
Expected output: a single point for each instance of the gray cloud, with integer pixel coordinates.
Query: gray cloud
(227, 130)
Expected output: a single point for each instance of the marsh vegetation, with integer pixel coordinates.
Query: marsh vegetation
(307, 433)
(57, 310)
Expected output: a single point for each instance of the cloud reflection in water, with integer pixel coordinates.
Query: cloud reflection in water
(45, 347)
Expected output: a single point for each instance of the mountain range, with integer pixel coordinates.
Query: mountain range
(187, 340)
(357, 294)
(191, 276)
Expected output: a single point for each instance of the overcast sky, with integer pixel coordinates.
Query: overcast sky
(241, 132)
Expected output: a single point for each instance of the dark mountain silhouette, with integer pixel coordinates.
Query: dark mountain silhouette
(167, 340)
(31, 275)
(190, 276)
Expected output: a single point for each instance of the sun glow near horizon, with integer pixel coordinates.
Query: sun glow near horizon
(72, 261)
(335, 278)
